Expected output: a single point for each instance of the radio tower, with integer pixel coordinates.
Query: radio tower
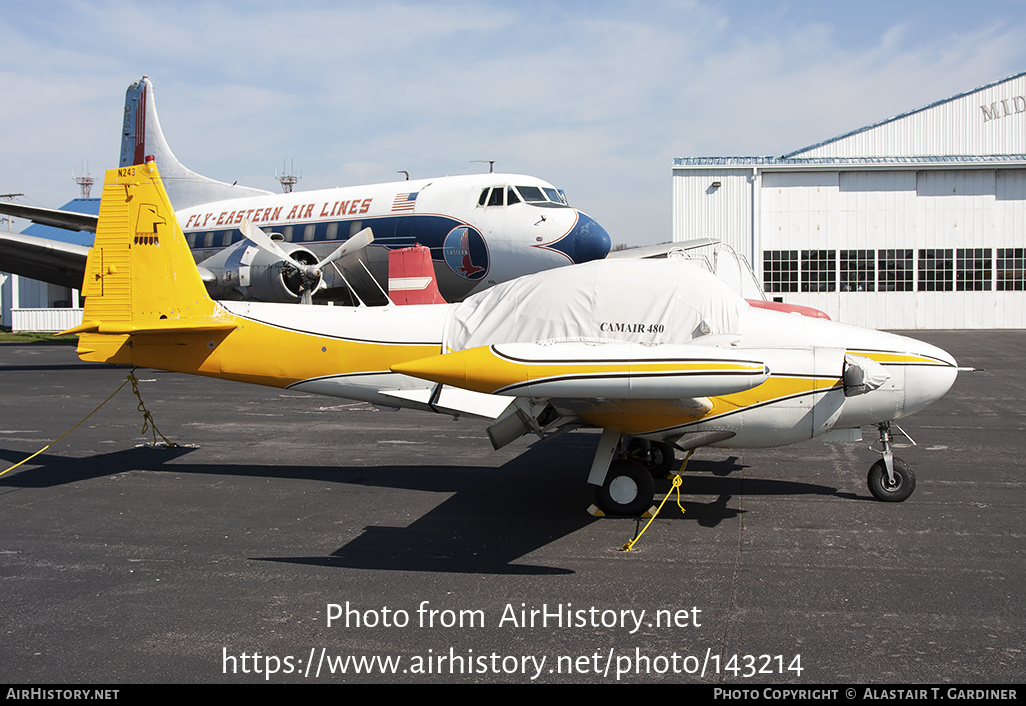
(85, 183)
(287, 180)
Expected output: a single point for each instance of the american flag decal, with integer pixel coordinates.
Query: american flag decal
(404, 202)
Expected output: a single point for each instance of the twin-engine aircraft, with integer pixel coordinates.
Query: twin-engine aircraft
(659, 354)
(480, 229)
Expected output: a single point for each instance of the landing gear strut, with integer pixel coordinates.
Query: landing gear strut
(656, 456)
(890, 479)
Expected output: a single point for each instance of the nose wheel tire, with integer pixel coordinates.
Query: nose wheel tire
(628, 489)
(889, 491)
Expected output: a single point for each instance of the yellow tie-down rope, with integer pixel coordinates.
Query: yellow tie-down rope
(678, 480)
(147, 420)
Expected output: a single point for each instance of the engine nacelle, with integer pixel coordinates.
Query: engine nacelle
(245, 271)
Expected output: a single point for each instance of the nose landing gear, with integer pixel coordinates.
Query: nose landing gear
(891, 479)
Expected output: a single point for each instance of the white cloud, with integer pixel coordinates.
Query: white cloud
(597, 97)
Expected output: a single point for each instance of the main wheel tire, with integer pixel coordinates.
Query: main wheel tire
(657, 458)
(628, 489)
(882, 488)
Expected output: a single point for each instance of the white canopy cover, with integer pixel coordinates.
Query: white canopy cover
(639, 301)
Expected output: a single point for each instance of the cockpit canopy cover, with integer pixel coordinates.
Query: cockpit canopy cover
(640, 301)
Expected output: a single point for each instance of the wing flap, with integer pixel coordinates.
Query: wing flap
(453, 400)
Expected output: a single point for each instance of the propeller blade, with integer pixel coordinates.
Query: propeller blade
(358, 242)
(263, 241)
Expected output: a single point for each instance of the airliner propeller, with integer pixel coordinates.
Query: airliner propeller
(310, 275)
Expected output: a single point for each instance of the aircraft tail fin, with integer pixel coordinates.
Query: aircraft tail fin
(411, 277)
(140, 275)
(142, 138)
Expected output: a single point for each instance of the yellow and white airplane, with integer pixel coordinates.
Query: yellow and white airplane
(659, 354)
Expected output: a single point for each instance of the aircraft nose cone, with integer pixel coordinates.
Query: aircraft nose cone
(590, 240)
(929, 378)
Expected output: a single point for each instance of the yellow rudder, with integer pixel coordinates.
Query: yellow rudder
(140, 275)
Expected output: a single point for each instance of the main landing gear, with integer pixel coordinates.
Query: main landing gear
(628, 488)
(624, 473)
(890, 479)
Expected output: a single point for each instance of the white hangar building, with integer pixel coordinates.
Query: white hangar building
(918, 221)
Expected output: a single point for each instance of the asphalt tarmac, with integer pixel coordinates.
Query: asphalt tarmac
(300, 539)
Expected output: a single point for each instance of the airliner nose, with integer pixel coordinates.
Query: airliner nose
(928, 377)
(590, 240)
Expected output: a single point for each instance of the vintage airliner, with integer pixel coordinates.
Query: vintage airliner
(480, 229)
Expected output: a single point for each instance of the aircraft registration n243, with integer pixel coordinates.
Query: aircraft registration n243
(532, 355)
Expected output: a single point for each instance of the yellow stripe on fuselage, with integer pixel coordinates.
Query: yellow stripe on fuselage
(485, 370)
(895, 358)
(775, 389)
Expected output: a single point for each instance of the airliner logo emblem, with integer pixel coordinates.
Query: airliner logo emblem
(465, 253)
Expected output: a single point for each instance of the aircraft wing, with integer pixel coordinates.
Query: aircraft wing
(575, 383)
(70, 220)
(43, 259)
(660, 250)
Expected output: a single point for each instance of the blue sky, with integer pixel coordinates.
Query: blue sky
(597, 97)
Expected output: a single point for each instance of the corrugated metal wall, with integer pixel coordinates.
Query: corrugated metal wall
(45, 320)
(702, 210)
(918, 221)
(990, 120)
(933, 215)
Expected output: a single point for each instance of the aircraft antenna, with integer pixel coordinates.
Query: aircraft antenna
(85, 182)
(287, 180)
(489, 162)
(8, 197)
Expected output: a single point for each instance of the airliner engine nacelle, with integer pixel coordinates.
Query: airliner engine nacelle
(254, 273)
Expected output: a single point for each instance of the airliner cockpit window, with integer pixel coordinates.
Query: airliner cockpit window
(511, 196)
(555, 196)
(496, 198)
(542, 196)
(531, 194)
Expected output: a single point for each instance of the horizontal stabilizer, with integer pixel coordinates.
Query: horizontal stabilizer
(166, 326)
(661, 250)
(68, 220)
(43, 259)
(584, 370)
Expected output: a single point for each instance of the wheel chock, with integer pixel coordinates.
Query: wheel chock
(594, 511)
